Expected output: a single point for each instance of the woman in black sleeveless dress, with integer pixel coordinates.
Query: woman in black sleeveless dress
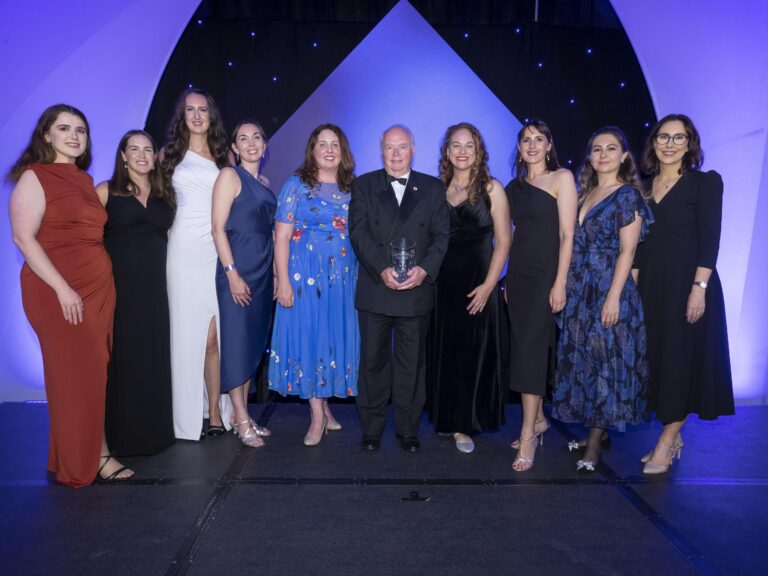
(466, 395)
(139, 416)
(690, 369)
(542, 204)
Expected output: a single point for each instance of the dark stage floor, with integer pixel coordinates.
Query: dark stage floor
(216, 508)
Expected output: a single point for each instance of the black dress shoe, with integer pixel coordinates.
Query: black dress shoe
(216, 430)
(371, 443)
(409, 443)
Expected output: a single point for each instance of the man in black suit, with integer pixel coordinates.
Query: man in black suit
(388, 204)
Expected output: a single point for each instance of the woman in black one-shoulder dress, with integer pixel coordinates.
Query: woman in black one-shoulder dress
(542, 203)
(688, 357)
(139, 415)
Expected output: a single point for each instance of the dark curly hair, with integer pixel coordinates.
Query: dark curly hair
(521, 167)
(307, 172)
(587, 176)
(177, 136)
(38, 151)
(692, 159)
(479, 175)
(120, 184)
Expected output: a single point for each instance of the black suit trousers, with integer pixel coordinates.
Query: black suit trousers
(393, 351)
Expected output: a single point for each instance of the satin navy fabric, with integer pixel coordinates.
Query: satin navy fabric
(244, 330)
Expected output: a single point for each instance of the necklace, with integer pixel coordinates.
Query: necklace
(460, 189)
(668, 183)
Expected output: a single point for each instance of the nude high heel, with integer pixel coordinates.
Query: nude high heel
(647, 457)
(314, 440)
(672, 452)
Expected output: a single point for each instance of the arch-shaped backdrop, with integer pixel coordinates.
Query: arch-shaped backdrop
(112, 56)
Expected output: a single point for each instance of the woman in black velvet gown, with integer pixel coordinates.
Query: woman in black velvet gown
(542, 204)
(464, 364)
(139, 417)
(690, 370)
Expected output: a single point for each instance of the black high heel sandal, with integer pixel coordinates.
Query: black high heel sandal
(581, 445)
(114, 476)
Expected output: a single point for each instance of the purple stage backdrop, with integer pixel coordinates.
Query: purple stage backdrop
(107, 58)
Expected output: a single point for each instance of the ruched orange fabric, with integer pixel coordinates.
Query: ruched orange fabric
(75, 358)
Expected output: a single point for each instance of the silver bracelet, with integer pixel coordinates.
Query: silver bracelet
(229, 267)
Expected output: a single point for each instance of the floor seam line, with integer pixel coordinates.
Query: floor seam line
(671, 534)
(185, 557)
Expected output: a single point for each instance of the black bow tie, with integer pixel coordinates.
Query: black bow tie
(391, 179)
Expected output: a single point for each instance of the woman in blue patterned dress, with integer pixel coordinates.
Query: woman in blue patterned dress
(315, 340)
(602, 373)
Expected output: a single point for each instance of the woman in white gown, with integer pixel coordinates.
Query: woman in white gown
(195, 151)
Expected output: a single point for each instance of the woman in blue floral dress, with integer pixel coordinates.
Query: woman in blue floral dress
(315, 340)
(602, 373)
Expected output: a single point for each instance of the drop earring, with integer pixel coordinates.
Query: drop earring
(237, 158)
(547, 156)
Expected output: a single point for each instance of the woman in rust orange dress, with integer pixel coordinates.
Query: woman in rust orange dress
(67, 290)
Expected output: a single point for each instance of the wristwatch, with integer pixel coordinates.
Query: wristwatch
(701, 284)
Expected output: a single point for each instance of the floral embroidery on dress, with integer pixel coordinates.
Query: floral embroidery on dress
(320, 331)
(340, 223)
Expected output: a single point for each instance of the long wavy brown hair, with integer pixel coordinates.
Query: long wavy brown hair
(120, 184)
(479, 174)
(521, 167)
(307, 172)
(587, 176)
(692, 159)
(177, 136)
(38, 151)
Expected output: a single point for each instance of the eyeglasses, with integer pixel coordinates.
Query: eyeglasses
(677, 139)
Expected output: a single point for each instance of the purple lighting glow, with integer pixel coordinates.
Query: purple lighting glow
(358, 96)
(724, 92)
(89, 68)
(725, 96)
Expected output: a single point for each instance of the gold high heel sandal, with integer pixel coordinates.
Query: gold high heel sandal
(258, 430)
(672, 452)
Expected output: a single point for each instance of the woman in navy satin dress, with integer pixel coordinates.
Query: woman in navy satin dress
(243, 216)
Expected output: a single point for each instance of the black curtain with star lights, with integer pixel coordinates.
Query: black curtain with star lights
(568, 62)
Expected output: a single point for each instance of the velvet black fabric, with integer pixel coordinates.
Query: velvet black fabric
(464, 370)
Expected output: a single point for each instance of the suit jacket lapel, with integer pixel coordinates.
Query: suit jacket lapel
(411, 198)
(387, 198)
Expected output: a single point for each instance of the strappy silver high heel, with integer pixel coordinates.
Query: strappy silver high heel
(251, 438)
(538, 430)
